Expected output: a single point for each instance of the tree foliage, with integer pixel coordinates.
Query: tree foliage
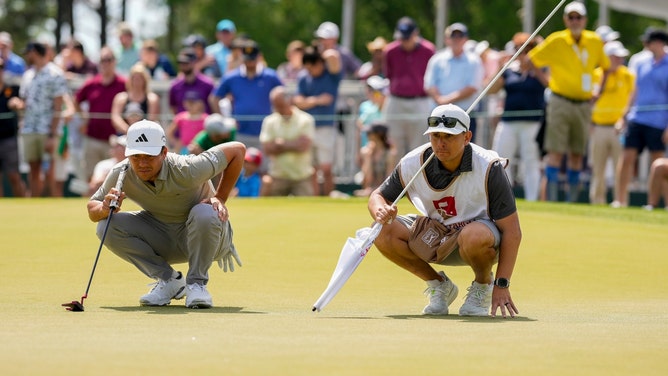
(24, 19)
(274, 23)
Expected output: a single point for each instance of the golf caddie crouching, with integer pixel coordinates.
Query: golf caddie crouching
(183, 217)
(468, 217)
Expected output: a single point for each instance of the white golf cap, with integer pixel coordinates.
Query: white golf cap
(327, 30)
(449, 111)
(606, 33)
(145, 137)
(377, 83)
(615, 48)
(218, 124)
(575, 7)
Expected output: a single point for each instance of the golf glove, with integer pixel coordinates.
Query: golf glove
(227, 260)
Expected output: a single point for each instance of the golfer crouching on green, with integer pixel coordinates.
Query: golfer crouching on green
(469, 217)
(183, 218)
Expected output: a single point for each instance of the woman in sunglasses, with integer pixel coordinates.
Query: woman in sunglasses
(467, 216)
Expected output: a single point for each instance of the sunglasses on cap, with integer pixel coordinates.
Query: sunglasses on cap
(448, 122)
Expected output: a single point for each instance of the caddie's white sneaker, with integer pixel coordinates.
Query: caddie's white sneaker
(164, 291)
(197, 296)
(441, 295)
(478, 300)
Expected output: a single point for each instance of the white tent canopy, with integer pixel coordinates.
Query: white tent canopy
(648, 8)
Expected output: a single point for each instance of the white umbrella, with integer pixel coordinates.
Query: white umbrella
(352, 254)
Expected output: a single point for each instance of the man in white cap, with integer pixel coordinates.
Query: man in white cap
(183, 218)
(571, 55)
(328, 38)
(468, 217)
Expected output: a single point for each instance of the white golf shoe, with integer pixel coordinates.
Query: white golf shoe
(164, 291)
(441, 295)
(478, 300)
(197, 296)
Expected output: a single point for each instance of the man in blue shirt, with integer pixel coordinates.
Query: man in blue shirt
(15, 66)
(317, 91)
(646, 121)
(247, 88)
(225, 33)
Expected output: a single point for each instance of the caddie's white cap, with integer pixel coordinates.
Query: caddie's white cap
(449, 111)
(615, 48)
(145, 137)
(575, 7)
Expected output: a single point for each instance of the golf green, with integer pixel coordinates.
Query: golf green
(590, 284)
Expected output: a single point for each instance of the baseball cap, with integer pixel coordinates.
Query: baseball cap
(575, 7)
(327, 30)
(448, 118)
(186, 55)
(377, 83)
(226, 25)
(457, 26)
(606, 33)
(615, 48)
(38, 47)
(218, 124)
(193, 40)
(250, 50)
(253, 155)
(405, 28)
(657, 34)
(145, 137)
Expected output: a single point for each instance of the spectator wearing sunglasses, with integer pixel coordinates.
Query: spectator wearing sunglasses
(467, 216)
(571, 55)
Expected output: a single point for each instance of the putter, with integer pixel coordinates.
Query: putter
(76, 306)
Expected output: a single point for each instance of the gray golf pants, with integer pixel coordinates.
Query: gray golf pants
(152, 246)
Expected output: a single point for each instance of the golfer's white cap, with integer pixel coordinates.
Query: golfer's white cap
(145, 137)
(453, 112)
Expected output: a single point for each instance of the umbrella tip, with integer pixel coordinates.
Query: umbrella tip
(313, 309)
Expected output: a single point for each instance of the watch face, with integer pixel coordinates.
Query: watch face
(502, 282)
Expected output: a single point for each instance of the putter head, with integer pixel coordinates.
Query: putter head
(74, 306)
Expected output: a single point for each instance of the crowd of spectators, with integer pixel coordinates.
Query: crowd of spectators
(568, 104)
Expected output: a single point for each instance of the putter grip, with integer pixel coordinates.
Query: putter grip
(119, 186)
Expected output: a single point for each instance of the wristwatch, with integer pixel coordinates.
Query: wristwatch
(502, 283)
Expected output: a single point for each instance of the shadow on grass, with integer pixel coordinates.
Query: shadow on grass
(180, 310)
(498, 318)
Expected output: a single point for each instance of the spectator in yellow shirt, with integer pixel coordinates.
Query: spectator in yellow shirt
(571, 56)
(608, 109)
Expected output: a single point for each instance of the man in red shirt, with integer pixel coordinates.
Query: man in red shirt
(98, 92)
(404, 64)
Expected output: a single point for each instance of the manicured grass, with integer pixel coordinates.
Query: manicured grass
(589, 284)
